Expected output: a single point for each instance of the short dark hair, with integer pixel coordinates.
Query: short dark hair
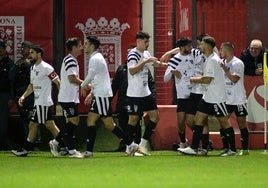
(38, 49)
(210, 41)
(72, 42)
(228, 45)
(142, 35)
(183, 41)
(26, 44)
(201, 36)
(94, 40)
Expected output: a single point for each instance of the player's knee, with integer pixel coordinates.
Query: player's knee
(155, 118)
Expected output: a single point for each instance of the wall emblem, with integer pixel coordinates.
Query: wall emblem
(12, 34)
(109, 34)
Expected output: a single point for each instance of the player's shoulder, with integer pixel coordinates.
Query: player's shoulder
(236, 61)
(69, 57)
(46, 66)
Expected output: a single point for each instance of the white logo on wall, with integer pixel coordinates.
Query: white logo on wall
(109, 33)
(256, 110)
(12, 34)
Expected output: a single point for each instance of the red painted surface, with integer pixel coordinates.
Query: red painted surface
(163, 43)
(224, 20)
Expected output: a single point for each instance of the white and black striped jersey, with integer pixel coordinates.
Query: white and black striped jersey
(185, 65)
(98, 76)
(41, 77)
(69, 92)
(138, 83)
(199, 63)
(215, 91)
(236, 93)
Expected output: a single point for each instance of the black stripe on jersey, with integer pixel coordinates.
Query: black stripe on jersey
(196, 52)
(177, 59)
(173, 67)
(135, 55)
(174, 62)
(69, 66)
(132, 58)
(69, 62)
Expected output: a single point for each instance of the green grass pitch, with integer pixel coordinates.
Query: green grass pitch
(110, 169)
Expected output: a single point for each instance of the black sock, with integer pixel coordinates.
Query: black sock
(205, 141)
(197, 135)
(70, 137)
(91, 137)
(224, 139)
(60, 135)
(130, 129)
(137, 134)
(118, 132)
(28, 146)
(231, 138)
(182, 136)
(123, 135)
(244, 138)
(63, 133)
(149, 129)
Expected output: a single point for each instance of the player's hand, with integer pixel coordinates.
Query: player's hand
(21, 101)
(176, 73)
(88, 99)
(160, 64)
(151, 59)
(258, 71)
(83, 92)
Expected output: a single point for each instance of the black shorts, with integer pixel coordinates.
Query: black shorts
(193, 103)
(101, 105)
(239, 109)
(70, 109)
(41, 114)
(182, 105)
(216, 109)
(138, 105)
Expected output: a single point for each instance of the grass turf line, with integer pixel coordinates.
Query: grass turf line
(109, 169)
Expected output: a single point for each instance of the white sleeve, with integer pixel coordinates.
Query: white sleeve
(168, 74)
(91, 74)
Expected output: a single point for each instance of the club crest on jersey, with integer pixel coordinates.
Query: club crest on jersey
(36, 73)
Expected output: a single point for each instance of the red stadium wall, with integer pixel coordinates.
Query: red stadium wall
(163, 43)
(224, 20)
(115, 25)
